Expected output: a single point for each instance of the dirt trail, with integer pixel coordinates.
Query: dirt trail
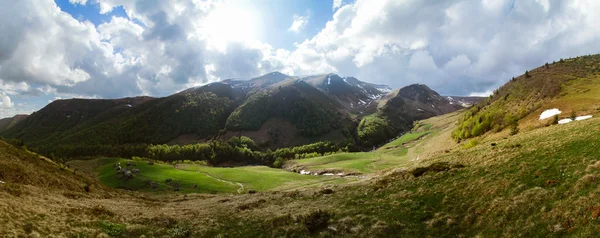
(240, 190)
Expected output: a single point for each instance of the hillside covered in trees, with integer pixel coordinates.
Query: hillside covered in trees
(274, 110)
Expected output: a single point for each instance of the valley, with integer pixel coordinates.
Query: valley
(538, 180)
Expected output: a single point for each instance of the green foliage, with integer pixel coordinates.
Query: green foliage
(374, 130)
(514, 129)
(103, 122)
(242, 141)
(472, 143)
(278, 162)
(238, 150)
(573, 115)
(179, 232)
(112, 229)
(312, 112)
(521, 97)
(250, 115)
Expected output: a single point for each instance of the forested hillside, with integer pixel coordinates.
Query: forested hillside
(398, 110)
(275, 110)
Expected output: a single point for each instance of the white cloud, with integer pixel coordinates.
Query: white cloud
(456, 47)
(299, 23)
(5, 102)
(337, 4)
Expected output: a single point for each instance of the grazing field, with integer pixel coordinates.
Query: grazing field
(197, 178)
(432, 135)
(363, 162)
(408, 137)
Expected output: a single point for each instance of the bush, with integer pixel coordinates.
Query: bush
(278, 162)
(573, 115)
(514, 129)
(471, 144)
(316, 221)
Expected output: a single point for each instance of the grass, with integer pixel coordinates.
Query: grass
(393, 154)
(363, 162)
(194, 178)
(538, 183)
(259, 178)
(407, 138)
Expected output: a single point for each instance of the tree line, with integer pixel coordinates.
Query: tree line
(236, 150)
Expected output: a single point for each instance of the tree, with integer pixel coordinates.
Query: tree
(527, 74)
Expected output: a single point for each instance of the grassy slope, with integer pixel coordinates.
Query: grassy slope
(208, 179)
(539, 183)
(571, 84)
(435, 135)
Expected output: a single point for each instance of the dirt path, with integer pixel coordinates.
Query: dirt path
(240, 190)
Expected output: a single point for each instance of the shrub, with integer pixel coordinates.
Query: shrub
(316, 221)
(514, 128)
(555, 120)
(471, 144)
(573, 115)
(278, 162)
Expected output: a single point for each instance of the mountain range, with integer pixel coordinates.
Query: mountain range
(275, 110)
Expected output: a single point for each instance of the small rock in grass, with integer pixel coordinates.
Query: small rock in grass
(251, 191)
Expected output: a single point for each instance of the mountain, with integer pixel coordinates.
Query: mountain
(569, 85)
(356, 96)
(275, 110)
(276, 117)
(398, 109)
(9, 122)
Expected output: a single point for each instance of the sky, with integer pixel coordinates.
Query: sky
(122, 48)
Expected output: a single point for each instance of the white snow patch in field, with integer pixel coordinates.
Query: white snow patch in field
(419, 109)
(345, 81)
(328, 80)
(564, 121)
(549, 113)
(340, 174)
(304, 172)
(581, 118)
(328, 174)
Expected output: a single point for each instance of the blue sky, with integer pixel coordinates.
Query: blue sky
(62, 49)
(276, 17)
